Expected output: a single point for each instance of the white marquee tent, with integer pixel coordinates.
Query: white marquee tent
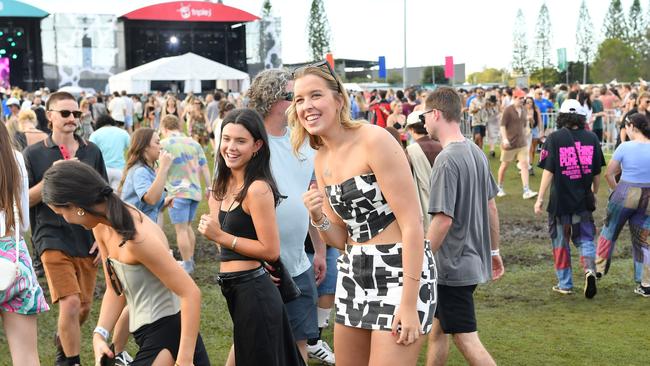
(189, 68)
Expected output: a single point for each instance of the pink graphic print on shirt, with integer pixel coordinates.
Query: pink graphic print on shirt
(569, 162)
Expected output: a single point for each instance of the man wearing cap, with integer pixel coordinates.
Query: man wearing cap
(14, 108)
(422, 154)
(572, 160)
(513, 143)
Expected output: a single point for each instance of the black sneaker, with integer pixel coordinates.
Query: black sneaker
(493, 154)
(61, 359)
(643, 291)
(590, 285)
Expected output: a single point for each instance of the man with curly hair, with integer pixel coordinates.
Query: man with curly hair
(270, 94)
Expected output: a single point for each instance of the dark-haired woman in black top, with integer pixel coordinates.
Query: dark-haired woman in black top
(242, 222)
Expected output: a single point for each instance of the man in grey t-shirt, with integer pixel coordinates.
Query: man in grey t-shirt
(464, 230)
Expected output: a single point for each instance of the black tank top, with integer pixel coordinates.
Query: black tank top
(238, 223)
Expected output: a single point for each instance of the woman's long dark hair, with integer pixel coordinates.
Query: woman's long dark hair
(536, 116)
(10, 179)
(75, 183)
(139, 142)
(258, 168)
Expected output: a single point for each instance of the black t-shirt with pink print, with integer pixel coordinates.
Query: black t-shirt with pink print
(560, 156)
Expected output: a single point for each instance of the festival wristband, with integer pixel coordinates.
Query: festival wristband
(102, 332)
(495, 252)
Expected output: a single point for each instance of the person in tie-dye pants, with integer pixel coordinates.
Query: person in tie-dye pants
(572, 161)
(629, 202)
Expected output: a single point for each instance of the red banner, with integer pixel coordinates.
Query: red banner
(449, 67)
(191, 11)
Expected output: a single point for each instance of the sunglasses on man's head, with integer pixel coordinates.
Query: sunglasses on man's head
(65, 113)
(321, 64)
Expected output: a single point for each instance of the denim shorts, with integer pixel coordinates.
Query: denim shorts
(302, 311)
(328, 286)
(183, 210)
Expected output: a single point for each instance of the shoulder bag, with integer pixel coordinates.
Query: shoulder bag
(10, 271)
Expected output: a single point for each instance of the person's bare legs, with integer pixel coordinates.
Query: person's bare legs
(69, 324)
(192, 237)
(502, 172)
(523, 166)
(183, 240)
(21, 332)
(164, 358)
(352, 345)
(230, 361)
(121, 331)
(438, 351)
(302, 348)
(384, 350)
(473, 350)
(533, 149)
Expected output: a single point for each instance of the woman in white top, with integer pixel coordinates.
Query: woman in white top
(23, 298)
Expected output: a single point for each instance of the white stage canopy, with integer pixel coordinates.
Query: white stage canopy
(189, 68)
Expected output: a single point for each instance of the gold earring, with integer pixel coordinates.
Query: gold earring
(80, 212)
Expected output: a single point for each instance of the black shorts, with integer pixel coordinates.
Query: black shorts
(479, 130)
(164, 333)
(455, 309)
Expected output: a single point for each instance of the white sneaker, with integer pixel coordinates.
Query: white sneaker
(501, 192)
(529, 194)
(321, 351)
(123, 359)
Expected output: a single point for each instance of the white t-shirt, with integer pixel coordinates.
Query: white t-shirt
(117, 107)
(293, 175)
(24, 198)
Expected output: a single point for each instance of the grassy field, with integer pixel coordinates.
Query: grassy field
(521, 321)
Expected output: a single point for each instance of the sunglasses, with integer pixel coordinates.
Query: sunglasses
(288, 96)
(422, 118)
(65, 113)
(321, 64)
(115, 282)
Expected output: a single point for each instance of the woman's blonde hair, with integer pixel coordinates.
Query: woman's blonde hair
(298, 132)
(26, 115)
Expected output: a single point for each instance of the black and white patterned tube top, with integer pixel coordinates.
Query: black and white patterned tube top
(361, 205)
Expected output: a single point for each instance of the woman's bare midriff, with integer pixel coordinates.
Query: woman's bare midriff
(238, 265)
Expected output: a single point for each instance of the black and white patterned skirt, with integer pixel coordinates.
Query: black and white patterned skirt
(370, 282)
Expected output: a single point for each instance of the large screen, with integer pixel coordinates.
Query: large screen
(4, 72)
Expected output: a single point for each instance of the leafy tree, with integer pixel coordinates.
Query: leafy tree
(394, 78)
(636, 26)
(520, 45)
(439, 73)
(543, 39)
(585, 39)
(488, 75)
(546, 76)
(615, 60)
(319, 32)
(576, 73)
(614, 23)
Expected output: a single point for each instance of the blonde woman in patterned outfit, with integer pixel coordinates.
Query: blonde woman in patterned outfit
(366, 206)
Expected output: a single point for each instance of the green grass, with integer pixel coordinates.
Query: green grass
(521, 321)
